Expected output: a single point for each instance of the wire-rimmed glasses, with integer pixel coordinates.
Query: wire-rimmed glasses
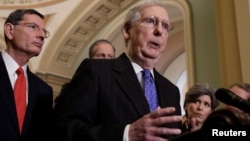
(35, 28)
(153, 22)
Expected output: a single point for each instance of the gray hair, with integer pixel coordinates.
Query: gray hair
(134, 13)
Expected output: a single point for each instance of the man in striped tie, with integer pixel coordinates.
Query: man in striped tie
(126, 98)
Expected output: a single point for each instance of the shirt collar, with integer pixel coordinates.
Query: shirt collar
(138, 68)
(12, 64)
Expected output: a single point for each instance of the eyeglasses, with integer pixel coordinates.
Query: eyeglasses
(35, 28)
(153, 22)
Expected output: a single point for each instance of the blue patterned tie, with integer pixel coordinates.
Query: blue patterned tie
(150, 90)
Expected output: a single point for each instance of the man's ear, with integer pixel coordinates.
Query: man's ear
(125, 31)
(9, 30)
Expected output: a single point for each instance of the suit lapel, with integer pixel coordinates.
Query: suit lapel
(160, 90)
(32, 99)
(163, 90)
(7, 94)
(130, 84)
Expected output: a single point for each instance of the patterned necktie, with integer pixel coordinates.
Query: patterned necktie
(150, 90)
(20, 97)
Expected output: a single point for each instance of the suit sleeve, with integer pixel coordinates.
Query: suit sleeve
(76, 109)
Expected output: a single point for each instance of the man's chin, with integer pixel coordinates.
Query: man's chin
(34, 54)
(151, 55)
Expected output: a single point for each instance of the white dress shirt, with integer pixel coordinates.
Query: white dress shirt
(138, 70)
(11, 66)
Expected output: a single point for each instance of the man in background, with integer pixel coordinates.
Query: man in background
(102, 49)
(242, 90)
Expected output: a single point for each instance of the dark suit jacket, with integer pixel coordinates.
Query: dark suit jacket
(39, 110)
(102, 97)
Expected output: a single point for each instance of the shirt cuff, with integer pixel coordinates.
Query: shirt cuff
(125, 134)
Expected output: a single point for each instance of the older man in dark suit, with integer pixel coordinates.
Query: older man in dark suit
(105, 99)
(26, 101)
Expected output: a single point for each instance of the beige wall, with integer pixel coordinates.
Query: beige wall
(233, 28)
(221, 35)
(242, 9)
(205, 50)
